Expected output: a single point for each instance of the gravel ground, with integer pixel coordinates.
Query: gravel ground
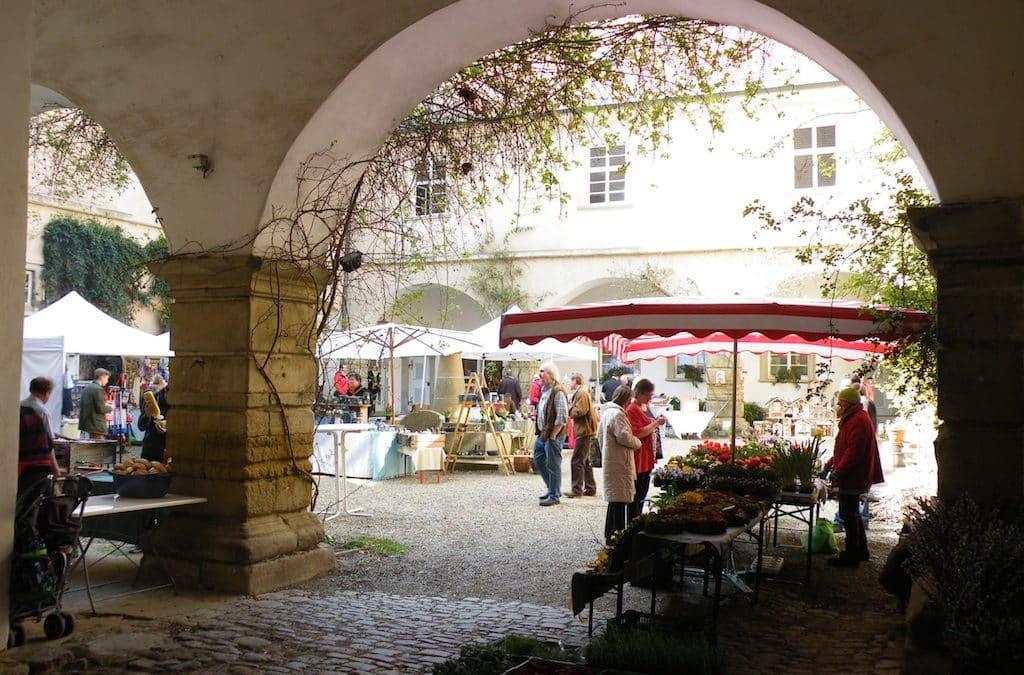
(480, 533)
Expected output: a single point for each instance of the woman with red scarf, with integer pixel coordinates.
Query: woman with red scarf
(856, 466)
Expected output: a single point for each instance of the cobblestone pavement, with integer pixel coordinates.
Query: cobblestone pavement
(296, 631)
(841, 623)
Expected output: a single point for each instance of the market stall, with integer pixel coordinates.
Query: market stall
(394, 341)
(707, 324)
(74, 326)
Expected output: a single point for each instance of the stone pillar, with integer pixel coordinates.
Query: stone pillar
(977, 254)
(720, 395)
(15, 73)
(240, 424)
(448, 383)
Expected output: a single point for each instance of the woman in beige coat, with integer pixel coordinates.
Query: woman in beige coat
(617, 446)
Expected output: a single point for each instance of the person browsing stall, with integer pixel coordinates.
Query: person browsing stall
(618, 444)
(643, 428)
(552, 426)
(510, 390)
(355, 386)
(856, 466)
(154, 426)
(584, 424)
(36, 459)
(92, 418)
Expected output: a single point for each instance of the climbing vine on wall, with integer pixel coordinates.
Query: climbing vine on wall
(105, 266)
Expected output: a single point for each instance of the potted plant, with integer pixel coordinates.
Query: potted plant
(796, 464)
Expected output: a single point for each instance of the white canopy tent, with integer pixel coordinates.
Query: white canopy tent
(393, 341)
(74, 326)
(488, 334)
(87, 330)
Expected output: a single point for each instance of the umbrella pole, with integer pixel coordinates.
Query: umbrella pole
(391, 343)
(423, 381)
(735, 369)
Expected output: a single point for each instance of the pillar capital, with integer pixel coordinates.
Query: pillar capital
(980, 231)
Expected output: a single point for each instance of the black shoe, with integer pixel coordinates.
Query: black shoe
(543, 496)
(589, 493)
(550, 501)
(840, 561)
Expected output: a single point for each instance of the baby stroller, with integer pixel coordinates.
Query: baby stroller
(45, 547)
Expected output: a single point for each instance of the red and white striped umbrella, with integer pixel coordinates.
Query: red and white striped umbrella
(734, 317)
(652, 347)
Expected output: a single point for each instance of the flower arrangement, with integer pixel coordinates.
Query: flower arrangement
(797, 461)
(756, 479)
(447, 414)
(677, 478)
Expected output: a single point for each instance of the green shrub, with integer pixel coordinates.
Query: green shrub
(971, 559)
(499, 656)
(646, 651)
(753, 412)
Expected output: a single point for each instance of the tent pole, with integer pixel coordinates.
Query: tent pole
(735, 369)
(423, 381)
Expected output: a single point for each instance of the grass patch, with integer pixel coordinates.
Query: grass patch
(374, 545)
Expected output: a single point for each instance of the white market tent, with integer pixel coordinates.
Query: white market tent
(487, 337)
(87, 330)
(72, 325)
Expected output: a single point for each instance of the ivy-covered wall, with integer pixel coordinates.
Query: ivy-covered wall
(105, 266)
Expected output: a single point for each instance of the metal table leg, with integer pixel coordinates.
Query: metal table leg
(341, 479)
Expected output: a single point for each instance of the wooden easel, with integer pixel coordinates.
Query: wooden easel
(470, 399)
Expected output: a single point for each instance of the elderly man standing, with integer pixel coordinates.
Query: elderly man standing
(92, 417)
(856, 466)
(552, 425)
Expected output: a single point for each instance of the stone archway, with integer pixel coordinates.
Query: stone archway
(610, 288)
(256, 87)
(440, 306)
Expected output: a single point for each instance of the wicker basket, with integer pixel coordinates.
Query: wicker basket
(522, 463)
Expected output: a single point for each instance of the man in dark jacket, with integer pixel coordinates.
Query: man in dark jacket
(510, 390)
(856, 466)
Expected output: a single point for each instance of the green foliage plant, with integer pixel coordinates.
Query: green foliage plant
(500, 656)
(797, 461)
(753, 412)
(647, 651)
(866, 250)
(374, 545)
(104, 265)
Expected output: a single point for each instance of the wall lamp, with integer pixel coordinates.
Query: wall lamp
(351, 261)
(201, 163)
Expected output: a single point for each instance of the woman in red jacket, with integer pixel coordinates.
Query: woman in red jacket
(856, 466)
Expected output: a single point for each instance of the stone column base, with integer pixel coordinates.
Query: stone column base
(250, 579)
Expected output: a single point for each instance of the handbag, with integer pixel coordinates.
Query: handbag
(595, 453)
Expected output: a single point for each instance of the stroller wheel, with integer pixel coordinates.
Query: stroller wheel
(69, 624)
(16, 636)
(53, 626)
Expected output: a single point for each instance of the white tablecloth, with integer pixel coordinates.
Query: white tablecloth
(323, 449)
(684, 423)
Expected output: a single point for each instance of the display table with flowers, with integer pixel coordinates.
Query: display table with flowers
(804, 506)
(696, 525)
